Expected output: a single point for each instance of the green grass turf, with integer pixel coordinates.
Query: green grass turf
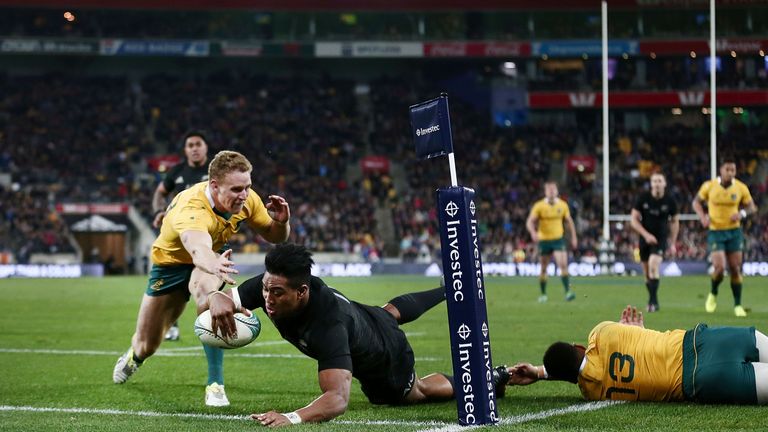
(99, 315)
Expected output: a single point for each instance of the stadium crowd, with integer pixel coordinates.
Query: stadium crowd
(301, 143)
(29, 224)
(306, 136)
(737, 20)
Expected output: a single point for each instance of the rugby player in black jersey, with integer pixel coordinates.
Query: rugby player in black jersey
(348, 339)
(655, 218)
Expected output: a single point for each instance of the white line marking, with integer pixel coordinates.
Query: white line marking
(167, 353)
(252, 344)
(157, 354)
(121, 412)
(414, 334)
(589, 406)
(11, 408)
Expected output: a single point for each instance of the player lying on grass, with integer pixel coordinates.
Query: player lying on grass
(348, 339)
(625, 361)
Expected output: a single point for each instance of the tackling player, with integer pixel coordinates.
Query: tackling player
(653, 212)
(549, 214)
(348, 339)
(188, 256)
(723, 197)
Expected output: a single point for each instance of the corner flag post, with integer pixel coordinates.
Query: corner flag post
(462, 271)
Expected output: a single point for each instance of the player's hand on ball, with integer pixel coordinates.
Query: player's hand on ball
(246, 330)
(223, 311)
(271, 419)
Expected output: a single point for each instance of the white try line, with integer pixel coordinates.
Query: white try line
(264, 343)
(157, 354)
(589, 406)
(251, 345)
(197, 352)
(415, 334)
(200, 416)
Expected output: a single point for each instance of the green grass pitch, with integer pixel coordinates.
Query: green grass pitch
(60, 339)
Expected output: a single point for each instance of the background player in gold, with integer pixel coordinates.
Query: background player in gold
(625, 361)
(198, 223)
(545, 224)
(724, 196)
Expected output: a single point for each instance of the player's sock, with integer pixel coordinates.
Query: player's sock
(566, 283)
(215, 357)
(413, 305)
(716, 284)
(736, 288)
(653, 289)
(138, 360)
(543, 285)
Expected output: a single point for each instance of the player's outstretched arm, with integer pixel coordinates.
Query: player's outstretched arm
(200, 247)
(525, 373)
(334, 383)
(631, 316)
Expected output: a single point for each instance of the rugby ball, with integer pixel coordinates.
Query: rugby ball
(248, 329)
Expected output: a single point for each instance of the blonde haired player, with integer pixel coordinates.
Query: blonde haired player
(188, 257)
(724, 196)
(545, 224)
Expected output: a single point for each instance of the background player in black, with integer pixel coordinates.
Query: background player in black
(193, 169)
(181, 176)
(655, 217)
(345, 337)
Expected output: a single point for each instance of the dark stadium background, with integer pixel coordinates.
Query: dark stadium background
(94, 101)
